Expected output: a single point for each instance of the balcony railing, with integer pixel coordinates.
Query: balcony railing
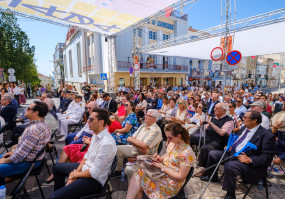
(122, 66)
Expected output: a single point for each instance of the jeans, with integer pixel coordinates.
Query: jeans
(12, 169)
(70, 138)
(81, 187)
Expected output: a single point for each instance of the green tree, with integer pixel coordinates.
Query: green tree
(15, 50)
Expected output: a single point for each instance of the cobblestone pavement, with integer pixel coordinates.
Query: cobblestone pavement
(193, 188)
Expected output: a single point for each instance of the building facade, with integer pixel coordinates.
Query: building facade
(155, 70)
(82, 58)
(45, 80)
(58, 65)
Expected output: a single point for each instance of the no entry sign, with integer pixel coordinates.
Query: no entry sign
(217, 54)
(233, 57)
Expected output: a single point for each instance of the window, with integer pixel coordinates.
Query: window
(70, 63)
(165, 37)
(65, 66)
(79, 59)
(152, 35)
(121, 81)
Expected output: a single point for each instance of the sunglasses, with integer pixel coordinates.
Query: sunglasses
(149, 116)
(179, 103)
(30, 109)
(91, 119)
(126, 105)
(199, 107)
(89, 107)
(239, 101)
(230, 106)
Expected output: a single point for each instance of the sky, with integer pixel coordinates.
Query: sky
(203, 14)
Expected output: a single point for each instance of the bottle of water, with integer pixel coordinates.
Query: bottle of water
(2, 192)
(260, 185)
(123, 175)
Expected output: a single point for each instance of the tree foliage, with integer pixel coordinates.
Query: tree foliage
(15, 50)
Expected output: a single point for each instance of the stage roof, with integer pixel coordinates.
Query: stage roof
(104, 16)
(263, 40)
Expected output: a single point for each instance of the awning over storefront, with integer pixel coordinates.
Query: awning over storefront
(257, 41)
(105, 16)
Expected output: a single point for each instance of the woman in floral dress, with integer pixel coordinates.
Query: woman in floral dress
(176, 164)
(130, 124)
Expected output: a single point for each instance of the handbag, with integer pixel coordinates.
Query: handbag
(144, 162)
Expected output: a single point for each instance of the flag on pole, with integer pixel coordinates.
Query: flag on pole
(168, 11)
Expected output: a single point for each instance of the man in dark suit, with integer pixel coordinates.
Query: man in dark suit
(8, 111)
(65, 102)
(252, 164)
(109, 103)
(207, 99)
(211, 106)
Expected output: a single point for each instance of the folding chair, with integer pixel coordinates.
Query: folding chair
(74, 126)
(53, 148)
(181, 194)
(272, 166)
(2, 131)
(31, 171)
(106, 189)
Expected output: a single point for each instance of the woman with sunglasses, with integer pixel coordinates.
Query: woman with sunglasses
(129, 123)
(193, 124)
(181, 112)
(141, 106)
(234, 116)
(175, 164)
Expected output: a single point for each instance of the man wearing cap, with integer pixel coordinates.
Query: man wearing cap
(65, 102)
(144, 141)
(258, 106)
(71, 117)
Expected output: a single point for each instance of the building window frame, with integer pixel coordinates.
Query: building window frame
(121, 81)
(65, 66)
(152, 35)
(79, 59)
(165, 37)
(70, 62)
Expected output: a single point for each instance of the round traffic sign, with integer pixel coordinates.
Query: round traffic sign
(137, 67)
(131, 70)
(233, 57)
(217, 54)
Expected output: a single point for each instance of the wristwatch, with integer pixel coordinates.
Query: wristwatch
(163, 168)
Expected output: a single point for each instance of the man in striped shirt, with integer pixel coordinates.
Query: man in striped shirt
(36, 135)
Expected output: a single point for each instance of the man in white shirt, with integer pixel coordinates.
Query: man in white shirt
(76, 138)
(90, 175)
(258, 106)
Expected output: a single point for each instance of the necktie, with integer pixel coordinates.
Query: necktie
(240, 140)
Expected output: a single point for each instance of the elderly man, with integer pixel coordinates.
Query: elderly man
(259, 106)
(217, 132)
(91, 174)
(34, 138)
(144, 141)
(215, 101)
(76, 138)
(252, 164)
(8, 111)
(72, 116)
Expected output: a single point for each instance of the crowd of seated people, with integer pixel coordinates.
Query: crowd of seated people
(132, 125)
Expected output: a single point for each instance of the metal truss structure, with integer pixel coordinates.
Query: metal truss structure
(160, 13)
(112, 63)
(268, 18)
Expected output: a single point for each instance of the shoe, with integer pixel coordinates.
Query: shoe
(230, 196)
(116, 174)
(47, 181)
(207, 178)
(62, 139)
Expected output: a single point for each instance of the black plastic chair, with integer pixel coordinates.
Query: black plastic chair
(181, 194)
(2, 131)
(31, 171)
(53, 148)
(73, 127)
(106, 189)
(160, 147)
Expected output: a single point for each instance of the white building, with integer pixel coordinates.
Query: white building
(83, 50)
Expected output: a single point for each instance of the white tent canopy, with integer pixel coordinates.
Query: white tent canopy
(257, 41)
(104, 16)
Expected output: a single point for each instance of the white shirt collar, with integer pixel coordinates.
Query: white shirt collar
(102, 133)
